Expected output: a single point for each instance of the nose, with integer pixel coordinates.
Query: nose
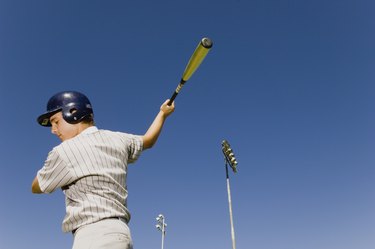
(53, 129)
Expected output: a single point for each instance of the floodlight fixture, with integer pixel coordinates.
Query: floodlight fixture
(161, 226)
(229, 155)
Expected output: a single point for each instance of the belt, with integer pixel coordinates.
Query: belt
(116, 218)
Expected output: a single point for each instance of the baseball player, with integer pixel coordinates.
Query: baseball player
(90, 166)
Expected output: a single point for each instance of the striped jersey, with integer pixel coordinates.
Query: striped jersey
(91, 169)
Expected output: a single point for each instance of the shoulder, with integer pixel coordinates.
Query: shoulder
(117, 134)
(125, 138)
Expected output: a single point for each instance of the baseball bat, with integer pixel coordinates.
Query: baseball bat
(195, 60)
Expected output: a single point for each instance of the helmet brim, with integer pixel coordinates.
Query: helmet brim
(44, 119)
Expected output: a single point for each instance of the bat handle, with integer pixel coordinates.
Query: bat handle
(182, 82)
(172, 98)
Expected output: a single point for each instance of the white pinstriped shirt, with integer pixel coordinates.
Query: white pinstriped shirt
(91, 169)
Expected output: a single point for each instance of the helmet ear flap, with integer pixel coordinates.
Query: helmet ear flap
(71, 114)
(74, 113)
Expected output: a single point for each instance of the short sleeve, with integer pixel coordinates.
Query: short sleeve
(135, 146)
(54, 174)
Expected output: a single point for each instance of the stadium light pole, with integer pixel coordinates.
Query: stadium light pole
(161, 226)
(230, 159)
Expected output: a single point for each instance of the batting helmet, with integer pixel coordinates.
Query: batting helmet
(75, 107)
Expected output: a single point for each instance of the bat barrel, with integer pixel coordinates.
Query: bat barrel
(196, 59)
(207, 42)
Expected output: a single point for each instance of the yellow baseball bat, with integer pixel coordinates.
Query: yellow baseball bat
(196, 59)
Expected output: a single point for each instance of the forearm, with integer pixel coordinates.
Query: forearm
(153, 132)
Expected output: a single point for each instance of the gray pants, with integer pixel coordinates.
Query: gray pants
(104, 234)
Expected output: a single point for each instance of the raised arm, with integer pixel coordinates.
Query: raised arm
(35, 188)
(153, 132)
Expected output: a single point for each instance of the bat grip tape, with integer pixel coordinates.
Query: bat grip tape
(178, 89)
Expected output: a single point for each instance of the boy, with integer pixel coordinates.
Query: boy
(90, 166)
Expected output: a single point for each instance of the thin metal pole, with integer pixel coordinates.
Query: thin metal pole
(161, 227)
(230, 208)
(162, 236)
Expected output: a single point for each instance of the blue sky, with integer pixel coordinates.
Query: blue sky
(290, 85)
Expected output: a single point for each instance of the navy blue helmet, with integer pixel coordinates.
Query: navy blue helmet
(75, 107)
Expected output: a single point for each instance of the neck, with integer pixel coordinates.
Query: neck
(83, 126)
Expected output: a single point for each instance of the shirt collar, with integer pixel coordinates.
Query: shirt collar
(90, 130)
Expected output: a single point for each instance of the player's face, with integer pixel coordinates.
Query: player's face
(61, 128)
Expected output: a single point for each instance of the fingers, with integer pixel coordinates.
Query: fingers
(167, 109)
(167, 101)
